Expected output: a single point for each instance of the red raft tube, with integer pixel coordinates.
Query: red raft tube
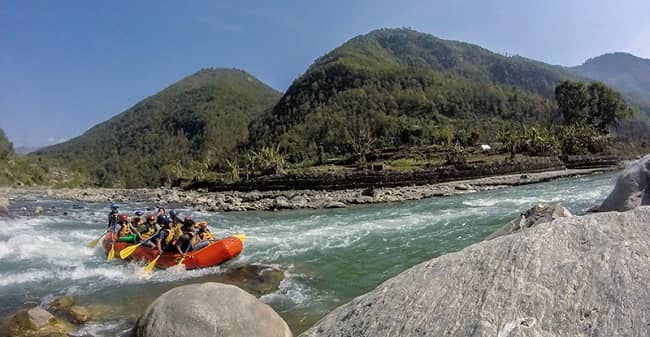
(214, 254)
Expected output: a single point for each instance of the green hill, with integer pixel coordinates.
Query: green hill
(625, 72)
(396, 87)
(193, 124)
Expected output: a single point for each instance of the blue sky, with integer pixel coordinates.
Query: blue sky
(67, 65)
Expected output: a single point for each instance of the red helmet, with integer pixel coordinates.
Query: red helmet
(203, 225)
(123, 217)
(187, 218)
(151, 217)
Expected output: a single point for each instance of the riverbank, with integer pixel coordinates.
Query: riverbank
(294, 199)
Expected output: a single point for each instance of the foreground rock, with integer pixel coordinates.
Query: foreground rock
(4, 203)
(576, 276)
(37, 322)
(209, 309)
(631, 188)
(538, 214)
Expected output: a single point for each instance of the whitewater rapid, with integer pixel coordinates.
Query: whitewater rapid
(329, 256)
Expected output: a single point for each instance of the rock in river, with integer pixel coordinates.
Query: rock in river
(37, 322)
(538, 214)
(575, 276)
(631, 188)
(209, 309)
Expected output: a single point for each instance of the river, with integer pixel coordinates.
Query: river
(329, 256)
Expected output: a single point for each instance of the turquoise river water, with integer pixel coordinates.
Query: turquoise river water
(328, 256)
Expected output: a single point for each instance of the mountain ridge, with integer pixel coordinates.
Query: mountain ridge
(200, 118)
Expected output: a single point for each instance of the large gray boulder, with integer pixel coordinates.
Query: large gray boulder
(4, 203)
(209, 309)
(575, 276)
(631, 188)
(536, 215)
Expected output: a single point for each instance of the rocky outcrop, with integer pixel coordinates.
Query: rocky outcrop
(209, 309)
(536, 215)
(575, 276)
(631, 188)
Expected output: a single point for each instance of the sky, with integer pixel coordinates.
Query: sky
(68, 65)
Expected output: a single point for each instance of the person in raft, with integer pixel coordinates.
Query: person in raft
(147, 230)
(125, 232)
(203, 236)
(137, 219)
(165, 240)
(184, 242)
(112, 217)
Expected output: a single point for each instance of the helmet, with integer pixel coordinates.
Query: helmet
(113, 206)
(172, 214)
(203, 225)
(166, 221)
(123, 217)
(151, 217)
(138, 213)
(187, 218)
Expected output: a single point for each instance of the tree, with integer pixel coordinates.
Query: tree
(606, 107)
(572, 100)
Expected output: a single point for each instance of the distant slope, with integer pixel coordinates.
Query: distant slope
(399, 87)
(625, 72)
(201, 118)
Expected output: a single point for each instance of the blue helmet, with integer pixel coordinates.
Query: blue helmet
(138, 213)
(166, 221)
(113, 206)
(172, 214)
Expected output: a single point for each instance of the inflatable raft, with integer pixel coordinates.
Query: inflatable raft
(214, 254)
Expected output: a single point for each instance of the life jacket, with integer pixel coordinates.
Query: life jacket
(170, 235)
(205, 235)
(124, 230)
(148, 231)
(177, 232)
(136, 221)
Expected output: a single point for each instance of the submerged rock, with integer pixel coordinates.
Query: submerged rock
(209, 309)
(536, 215)
(631, 188)
(37, 322)
(576, 276)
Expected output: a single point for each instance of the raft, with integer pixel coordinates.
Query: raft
(212, 255)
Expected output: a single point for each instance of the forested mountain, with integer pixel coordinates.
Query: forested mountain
(198, 121)
(399, 87)
(625, 72)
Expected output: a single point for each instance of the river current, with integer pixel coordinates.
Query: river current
(328, 256)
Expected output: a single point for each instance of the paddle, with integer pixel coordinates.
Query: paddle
(152, 264)
(241, 236)
(94, 243)
(126, 252)
(111, 253)
(189, 245)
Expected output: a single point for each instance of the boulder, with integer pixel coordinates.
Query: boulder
(36, 322)
(281, 202)
(209, 309)
(538, 214)
(631, 188)
(78, 314)
(299, 201)
(576, 276)
(4, 205)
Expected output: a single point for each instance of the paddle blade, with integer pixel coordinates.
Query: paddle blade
(151, 264)
(181, 261)
(93, 243)
(241, 237)
(111, 253)
(126, 252)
